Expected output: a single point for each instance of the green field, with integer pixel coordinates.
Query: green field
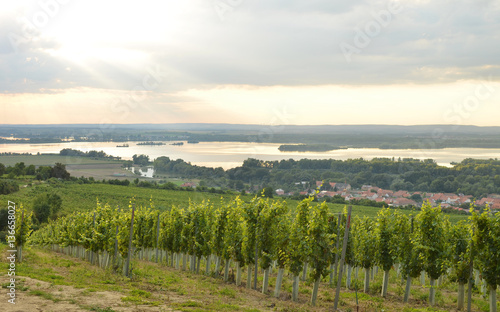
(52, 159)
(84, 196)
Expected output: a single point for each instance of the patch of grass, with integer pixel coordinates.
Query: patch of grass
(228, 292)
(327, 296)
(227, 307)
(362, 297)
(428, 309)
(133, 299)
(108, 282)
(99, 309)
(190, 304)
(140, 293)
(19, 285)
(55, 277)
(43, 294)
(87, 292)
(304, 290)
(482, 305)
(423, 296)
(375, 287)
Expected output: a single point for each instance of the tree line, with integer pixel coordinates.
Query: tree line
(471, 176)
(57, 171)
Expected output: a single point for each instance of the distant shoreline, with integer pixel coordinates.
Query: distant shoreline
(309, 147)
(292, 147)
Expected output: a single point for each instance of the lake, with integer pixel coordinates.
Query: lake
(232, 154)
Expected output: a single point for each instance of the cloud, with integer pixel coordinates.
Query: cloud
(113, 45)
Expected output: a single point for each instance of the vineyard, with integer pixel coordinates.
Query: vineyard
(306, 243)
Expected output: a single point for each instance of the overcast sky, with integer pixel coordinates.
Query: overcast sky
(250, 61)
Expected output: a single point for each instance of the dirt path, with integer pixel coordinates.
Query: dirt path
(39, 296)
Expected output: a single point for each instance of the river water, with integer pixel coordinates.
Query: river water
(232, 154)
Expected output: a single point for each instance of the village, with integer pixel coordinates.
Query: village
(399, 198)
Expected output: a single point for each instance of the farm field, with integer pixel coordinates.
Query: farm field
(51, 159)
(101, 171)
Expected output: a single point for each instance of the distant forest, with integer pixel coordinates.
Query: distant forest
(471, 176)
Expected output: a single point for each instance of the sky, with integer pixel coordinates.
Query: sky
(250, 62)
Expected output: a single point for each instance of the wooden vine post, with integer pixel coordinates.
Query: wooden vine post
(129, 254)
(342, 258)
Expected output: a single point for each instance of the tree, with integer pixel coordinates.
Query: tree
(321, 242)
(23, 229)
(267, 239)
(407, 254)
(43, 172)
(30, 170)
(46, 206)
(219, 228)
(2, 169)
(416, 197)
(299, 245)
(487, 239)
(282, 241)
(235, 238)
(141, 160)
(4, 219)
(387, 240)
(239, 185)
(19, 169)
(431, 238)
(365, 245)
(7, 187)
(251, 250)
(460, 257)
(59, 171)
(267, 192)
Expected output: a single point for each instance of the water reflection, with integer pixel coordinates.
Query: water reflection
(145, 172)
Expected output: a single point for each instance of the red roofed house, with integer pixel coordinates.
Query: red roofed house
(401, 194)
(369, 195)
(397, 202)
(384, 193)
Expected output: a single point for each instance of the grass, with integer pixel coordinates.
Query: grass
(228, 292)
(44, 295)
(159, 285)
